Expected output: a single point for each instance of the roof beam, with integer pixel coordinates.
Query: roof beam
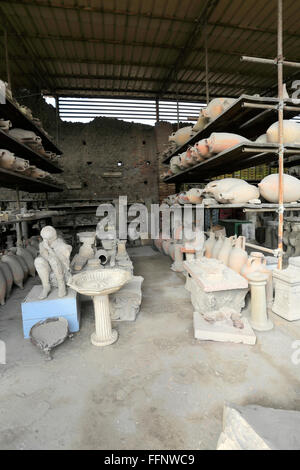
(93, 92)
(164, 66)
(146, 15)
(153, 80)
(101, 10)
(102, 41)
(186, 49)
(6, 21)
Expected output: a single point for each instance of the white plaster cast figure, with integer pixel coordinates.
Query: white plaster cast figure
(53, 262)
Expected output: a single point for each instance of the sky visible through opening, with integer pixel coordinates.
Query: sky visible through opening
(168, 110)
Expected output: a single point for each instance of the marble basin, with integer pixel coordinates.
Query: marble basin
(98, 284)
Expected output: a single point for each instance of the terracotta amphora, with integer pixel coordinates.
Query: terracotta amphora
(238, 256)
(257, 263)
(7, 273)
(16, 268)
(209, 244)
(225, 251)
(217, 247)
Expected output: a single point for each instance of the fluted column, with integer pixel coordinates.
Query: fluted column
(259, 315)
(104, 334)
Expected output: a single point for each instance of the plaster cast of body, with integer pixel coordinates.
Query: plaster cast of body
(53, 263)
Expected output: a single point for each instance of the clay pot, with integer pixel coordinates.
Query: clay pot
(39, 174)
(24, 135)
(182, 161)
(158, 243)
(29, 259)
(21, 165)
(220, 141)
(262, 139)
(2, 288)
(203, 148)
(194, 196)
(239, 193)
(291, 132)
(16, 269)
(225, 251)
(190, 157)
(5, 125)
(269, 188)
(257, 263)
(174, 165)
(196, 155)
(165, 246)
(238, 256)
(214, 108)
(217, 247)
(172, 251)
(209, 244)
(182, 198)
(24, 266)
(7, 273)
(34, 252)
(181, 136)
(7, 159)
(201, 123)
(231, 190)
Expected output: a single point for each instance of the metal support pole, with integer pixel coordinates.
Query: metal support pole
(57, 118)
(47, 201)
(18, 224)
(280, 132)
(206, 65)
(157, 109)
(7, 60)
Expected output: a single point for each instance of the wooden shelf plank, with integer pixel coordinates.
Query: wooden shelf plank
(244, 155)
(249, 122)
(10, 111)
(14, 180)
(21, 150)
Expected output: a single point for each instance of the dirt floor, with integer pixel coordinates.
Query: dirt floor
(156, 388)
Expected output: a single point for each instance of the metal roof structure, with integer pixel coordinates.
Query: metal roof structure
(146, 48)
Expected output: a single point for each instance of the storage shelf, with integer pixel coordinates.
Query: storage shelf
(21, 150)
(12, 180)
(10, 111)
(239, 119)
(41, 216)
(244, 155)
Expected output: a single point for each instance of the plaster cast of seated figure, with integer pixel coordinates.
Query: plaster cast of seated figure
(53, 262)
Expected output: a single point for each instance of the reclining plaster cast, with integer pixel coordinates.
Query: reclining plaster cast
(53, 262)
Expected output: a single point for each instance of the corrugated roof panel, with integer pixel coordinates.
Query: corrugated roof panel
(143, 41)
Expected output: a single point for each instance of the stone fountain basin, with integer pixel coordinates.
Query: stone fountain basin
(99, 281)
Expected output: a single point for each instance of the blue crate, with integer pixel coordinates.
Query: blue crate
(35, 310)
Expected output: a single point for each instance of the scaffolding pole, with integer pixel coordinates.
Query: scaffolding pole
(280, 62)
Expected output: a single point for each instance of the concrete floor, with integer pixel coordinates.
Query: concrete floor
(156, 388)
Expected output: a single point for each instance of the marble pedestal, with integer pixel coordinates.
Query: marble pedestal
(287, 291)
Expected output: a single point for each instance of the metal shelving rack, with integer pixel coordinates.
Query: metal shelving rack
(247, 116)
(17, 180)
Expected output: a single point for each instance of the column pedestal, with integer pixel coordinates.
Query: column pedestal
(259, 315)
(104, 334)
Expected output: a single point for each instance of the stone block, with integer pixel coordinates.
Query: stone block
(125, 304)
(222, 331)
(35, 310)
(254, 427)
(213, 285)
(287, 291)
